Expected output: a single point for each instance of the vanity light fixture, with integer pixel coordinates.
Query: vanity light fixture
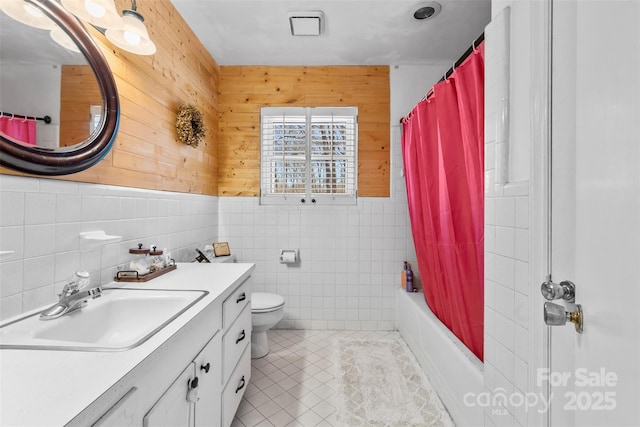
(27, 13)
(128, 32)
(133, 36)
(101, 13)
(59, 36)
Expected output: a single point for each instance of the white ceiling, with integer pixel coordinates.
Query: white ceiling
(357, 32)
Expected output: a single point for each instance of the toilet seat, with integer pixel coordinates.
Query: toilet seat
(262, 302)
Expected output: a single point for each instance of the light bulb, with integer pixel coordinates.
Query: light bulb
(131, 38)
(33, 11)
(101, 13)
(95, 9)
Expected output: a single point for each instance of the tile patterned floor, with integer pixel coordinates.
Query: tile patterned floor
(295, 384)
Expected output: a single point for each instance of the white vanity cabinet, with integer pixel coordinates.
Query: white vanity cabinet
(147, 385)
(207, 393)
(209, 390)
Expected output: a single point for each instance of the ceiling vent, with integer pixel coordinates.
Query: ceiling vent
(306, 23)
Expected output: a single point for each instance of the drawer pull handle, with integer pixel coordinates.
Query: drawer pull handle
(205, 368)
(241, 298)
(241, 336)
(240, 385)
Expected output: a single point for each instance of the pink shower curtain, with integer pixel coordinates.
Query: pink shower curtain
(23, 130)
(443, 150)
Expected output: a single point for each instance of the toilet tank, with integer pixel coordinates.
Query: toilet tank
(229, 258)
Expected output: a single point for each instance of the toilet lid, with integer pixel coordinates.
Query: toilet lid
(262, 301)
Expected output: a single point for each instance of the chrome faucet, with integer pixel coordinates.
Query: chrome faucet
(73, 297)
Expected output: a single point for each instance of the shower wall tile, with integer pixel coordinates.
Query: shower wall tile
(504, 299)
(506, 243)
(505, 211)
(522, 277)
(522, 212)
(521, 342)
(505, 271)
(40, 220)
(504, 331)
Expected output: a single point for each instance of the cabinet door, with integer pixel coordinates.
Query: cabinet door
(209, 371)
(173, 409)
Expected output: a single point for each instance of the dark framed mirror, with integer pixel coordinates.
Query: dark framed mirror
(74, 151)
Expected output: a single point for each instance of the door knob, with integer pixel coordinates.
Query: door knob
(565, 290)
(555, 315)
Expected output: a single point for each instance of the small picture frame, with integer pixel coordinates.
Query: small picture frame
(221, 249)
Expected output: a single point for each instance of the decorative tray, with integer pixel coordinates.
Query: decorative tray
(134, 276)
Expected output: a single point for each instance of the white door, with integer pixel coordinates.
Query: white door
(595, 233)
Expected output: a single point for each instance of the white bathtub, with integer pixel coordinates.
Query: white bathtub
(452, 368)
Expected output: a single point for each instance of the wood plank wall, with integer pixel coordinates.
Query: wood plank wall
(147, 153)
(79, 90)
(244, 89)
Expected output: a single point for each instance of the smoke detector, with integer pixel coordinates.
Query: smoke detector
(309, 23)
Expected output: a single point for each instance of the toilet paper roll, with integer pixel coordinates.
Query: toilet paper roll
(288, 257)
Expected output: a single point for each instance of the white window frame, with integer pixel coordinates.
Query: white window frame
(268, 192)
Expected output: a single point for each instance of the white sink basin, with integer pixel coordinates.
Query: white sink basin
(120, 319)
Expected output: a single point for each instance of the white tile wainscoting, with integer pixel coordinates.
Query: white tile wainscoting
(41, 219)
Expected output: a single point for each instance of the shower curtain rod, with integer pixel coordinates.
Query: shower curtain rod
(464, 56)
(450, 71)
(46, 119)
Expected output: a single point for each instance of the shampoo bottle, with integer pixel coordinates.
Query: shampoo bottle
(409, 274)
(403, 276)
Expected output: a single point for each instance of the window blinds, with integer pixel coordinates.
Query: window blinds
(309, 154)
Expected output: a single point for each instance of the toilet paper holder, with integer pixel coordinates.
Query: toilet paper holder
(289, 256)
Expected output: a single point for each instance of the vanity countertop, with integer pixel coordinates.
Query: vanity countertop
(51, 387)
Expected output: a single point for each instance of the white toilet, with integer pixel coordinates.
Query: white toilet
(266, 310)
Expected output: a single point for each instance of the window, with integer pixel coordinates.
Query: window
(309, 155)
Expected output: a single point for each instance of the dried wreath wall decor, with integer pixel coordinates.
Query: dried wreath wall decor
(190, 125)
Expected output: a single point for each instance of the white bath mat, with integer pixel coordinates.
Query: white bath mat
(381, 384)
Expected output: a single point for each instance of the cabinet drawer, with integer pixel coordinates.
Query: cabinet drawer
(233, 392)
(236, 302)
(234, 342)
